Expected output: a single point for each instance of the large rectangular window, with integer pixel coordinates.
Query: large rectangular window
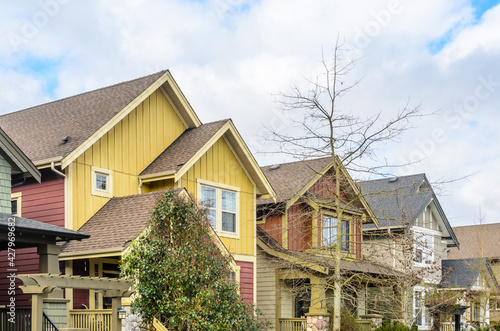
(420, 315)
(329, 232)
(424, 248)
(222, 205)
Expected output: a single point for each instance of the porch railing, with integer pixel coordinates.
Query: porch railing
(48, 325)
(293, 324)
(91, 319)
(18, 321)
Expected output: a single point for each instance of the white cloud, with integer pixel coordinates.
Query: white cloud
(229, 63)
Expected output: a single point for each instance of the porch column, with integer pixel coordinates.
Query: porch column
(49, 264)
(116, 323)
(36, 312)
(318, 317)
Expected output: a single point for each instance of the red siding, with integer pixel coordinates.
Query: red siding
(43, 202)
(357, 227)
(246, 280)
(80, 297)
(325, 186)
(273, 227)
(299, 228)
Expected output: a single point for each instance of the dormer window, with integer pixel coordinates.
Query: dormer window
(329, 232)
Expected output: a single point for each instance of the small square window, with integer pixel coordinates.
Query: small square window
(102, 182)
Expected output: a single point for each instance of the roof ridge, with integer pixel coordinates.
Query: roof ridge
(83, 93)
(389, 177)
(299, 161)
(476, 225)
(160, 192)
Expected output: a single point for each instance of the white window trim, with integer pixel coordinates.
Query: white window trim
(109, 174)
(218, 219)
(18, 197)
(237, 270)
(349, 223)
(417, 235)
(426, 319)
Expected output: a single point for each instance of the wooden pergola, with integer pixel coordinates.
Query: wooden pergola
(39, 284)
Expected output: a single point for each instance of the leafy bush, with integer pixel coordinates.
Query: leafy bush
(387, 326)
(348, 321)
(182, 275)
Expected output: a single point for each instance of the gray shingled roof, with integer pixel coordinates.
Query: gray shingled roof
(183, 148)
(396, 202)
(39, 130)
(25, 227)
(119, 221)
(287, 179)
(464, 273)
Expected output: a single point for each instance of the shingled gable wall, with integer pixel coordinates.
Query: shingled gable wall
(299, 231)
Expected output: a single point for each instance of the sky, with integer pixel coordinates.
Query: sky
(232, 58)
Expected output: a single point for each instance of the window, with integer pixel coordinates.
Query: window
(424, 248)
(102, 182)
(103, 267)
(221, 202)
(420, 314)
(15, 203)
(329, 234)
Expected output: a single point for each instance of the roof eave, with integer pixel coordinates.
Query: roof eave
(18, 157)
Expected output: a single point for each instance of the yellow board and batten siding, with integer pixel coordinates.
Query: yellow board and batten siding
(220, 166)
(126, 149)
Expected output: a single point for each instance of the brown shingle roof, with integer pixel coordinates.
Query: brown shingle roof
(183, 148)
(116, 223)
(39, 130)
(287, 179)
(473, 238)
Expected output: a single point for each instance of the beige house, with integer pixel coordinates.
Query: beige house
(413, 237)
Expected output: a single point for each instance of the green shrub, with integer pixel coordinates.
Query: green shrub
(348, 321)
(387, 326)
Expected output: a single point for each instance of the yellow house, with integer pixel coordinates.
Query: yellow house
(106, 155)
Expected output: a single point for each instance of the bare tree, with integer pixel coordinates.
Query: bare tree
(321, 129)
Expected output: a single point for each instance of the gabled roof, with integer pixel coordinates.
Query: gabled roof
(398, 201)
(293, 180)
(84, 118)
(317, 263)
(477, 241)
(30, 233)
(287, 179)
(17, 159)
(463, 274)
(182, 149)
(181, 155)
(115, 225)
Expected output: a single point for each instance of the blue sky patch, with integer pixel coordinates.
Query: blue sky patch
(479, 8)
(482, 6)
(43, 69)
